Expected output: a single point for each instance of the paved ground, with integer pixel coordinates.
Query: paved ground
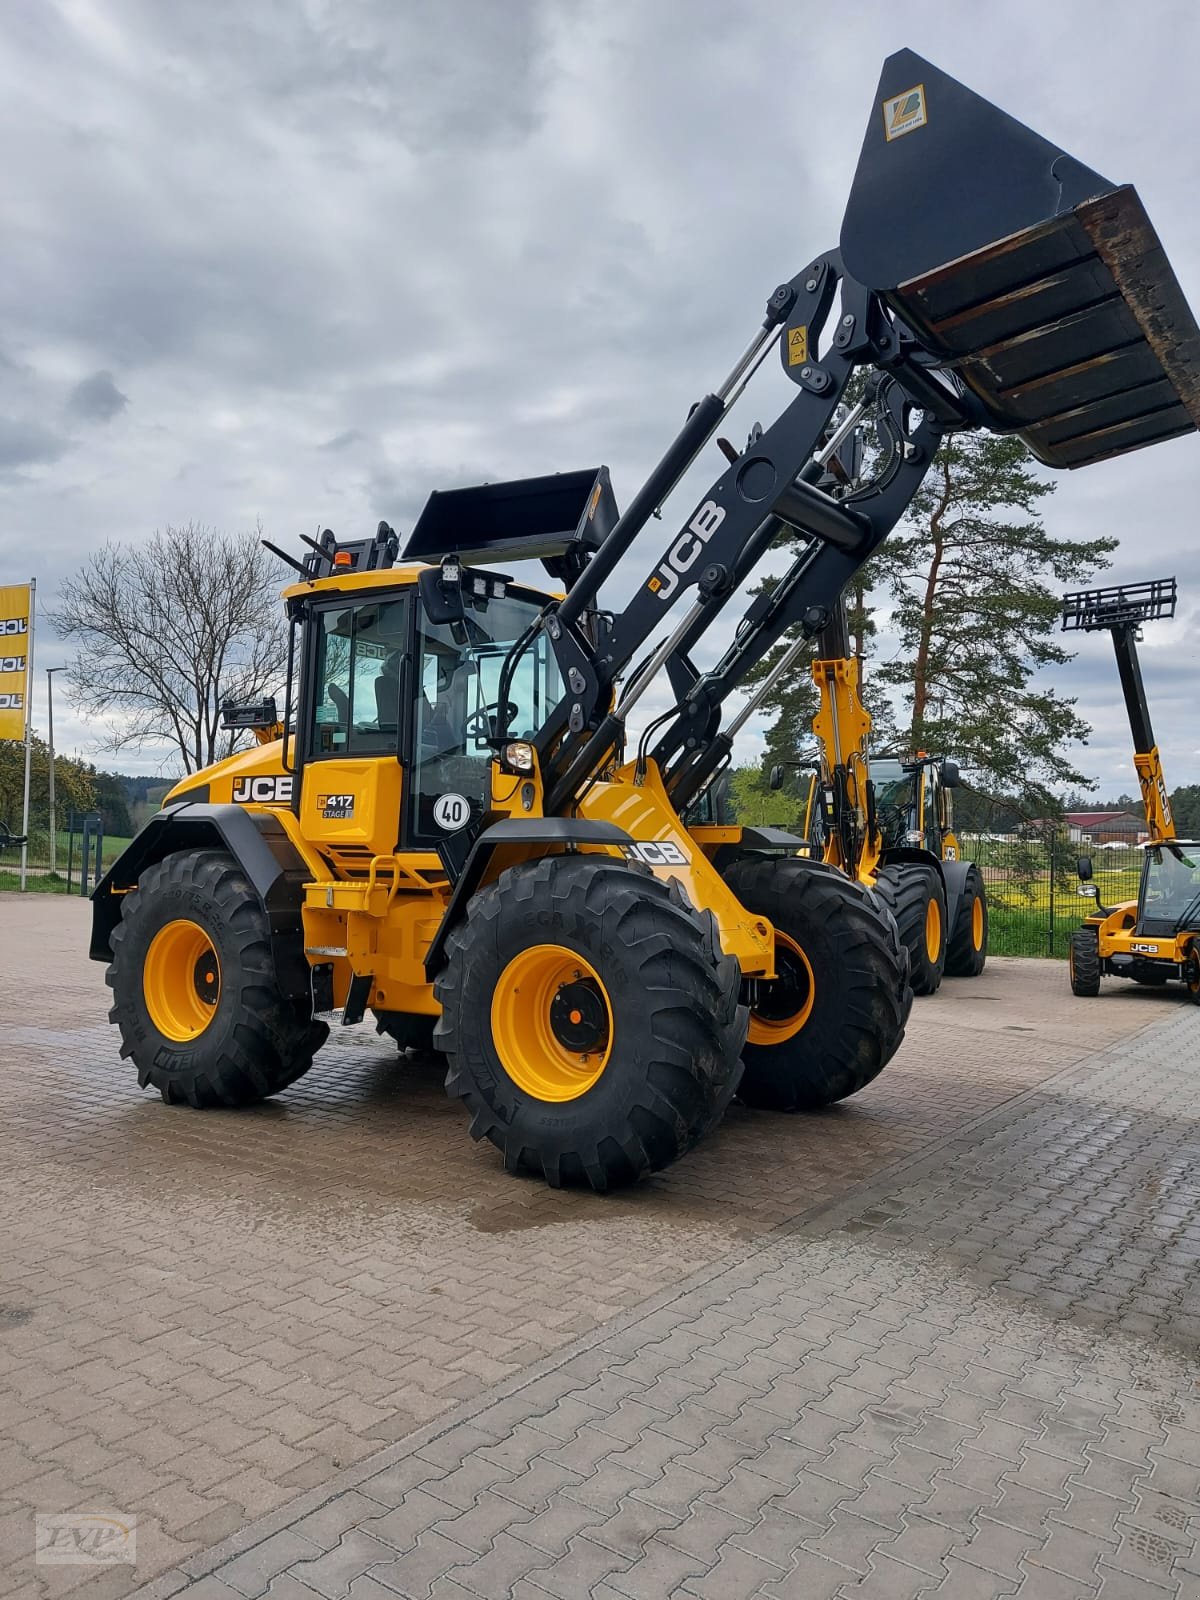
(874, 1352)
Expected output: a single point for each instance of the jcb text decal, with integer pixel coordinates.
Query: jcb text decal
(686, 550)
(263, 791)
(656, 855)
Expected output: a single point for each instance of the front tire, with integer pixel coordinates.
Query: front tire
(195, 993)
(1084, 963)
(966, 950)
(835, 1015)
(590, 1021)
(916, 897)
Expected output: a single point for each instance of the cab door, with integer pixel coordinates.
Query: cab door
(359, 666)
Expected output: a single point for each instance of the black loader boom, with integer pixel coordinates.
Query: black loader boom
(985, 279)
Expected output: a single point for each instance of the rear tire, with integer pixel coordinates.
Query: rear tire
(1191, 975)
(590, 1021)
(1084, 963)
(916, 897)
(195, 992)
(835, 1016)
(410, 1030)
(966, 951)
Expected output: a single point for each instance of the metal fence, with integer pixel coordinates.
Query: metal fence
(77, 858)
(1033, 889)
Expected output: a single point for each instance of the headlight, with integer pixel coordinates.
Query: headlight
(519, 756)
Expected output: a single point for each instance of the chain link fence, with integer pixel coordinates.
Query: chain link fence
(1033, 889)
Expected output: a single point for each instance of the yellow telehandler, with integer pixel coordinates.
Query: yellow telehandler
(1155, 938)
(452, 832)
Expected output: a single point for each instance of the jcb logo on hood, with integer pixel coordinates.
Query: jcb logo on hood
(13, 625)
(683, 554)
(263, 791)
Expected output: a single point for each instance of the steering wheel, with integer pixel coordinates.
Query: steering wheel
(482, 724)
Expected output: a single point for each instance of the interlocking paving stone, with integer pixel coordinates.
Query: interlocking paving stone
(915, 1357)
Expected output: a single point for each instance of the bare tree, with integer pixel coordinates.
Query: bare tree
(167, 630)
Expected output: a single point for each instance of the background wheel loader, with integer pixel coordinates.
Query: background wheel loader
(454, 829)
(888, 823)
(1155, 938)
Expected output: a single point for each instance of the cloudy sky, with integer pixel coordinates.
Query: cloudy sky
(305, 262)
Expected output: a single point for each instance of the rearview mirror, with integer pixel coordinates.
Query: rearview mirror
(950, 775)
(775, 779)
(1084, 867)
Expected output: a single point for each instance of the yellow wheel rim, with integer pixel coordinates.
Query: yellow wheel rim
(786, 1003)
(1192, 978)
(977, 923)
(181, 981)
(552, 1023)
(933, 930)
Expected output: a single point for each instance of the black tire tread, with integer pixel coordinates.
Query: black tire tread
(905, 888)
(839, 1052)
(962, 958)
(676, 971)
(410, 1030)
(1085, 963)
(270, 1045)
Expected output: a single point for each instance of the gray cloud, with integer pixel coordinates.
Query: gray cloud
(97, 399)
(27, 444)
(343, 255)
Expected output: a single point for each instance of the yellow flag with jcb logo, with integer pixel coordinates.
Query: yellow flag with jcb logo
(14, 660)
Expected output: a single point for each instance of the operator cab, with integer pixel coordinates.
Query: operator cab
(1169, 894)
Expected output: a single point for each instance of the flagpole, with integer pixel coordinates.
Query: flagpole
(28, 733)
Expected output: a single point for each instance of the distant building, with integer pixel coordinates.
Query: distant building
(1105, 827)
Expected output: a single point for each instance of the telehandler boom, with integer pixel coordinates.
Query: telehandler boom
(1157, 936)
(455, 836)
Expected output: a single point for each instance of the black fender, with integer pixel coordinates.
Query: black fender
(766, 841)
(512, 831)
(259, 844)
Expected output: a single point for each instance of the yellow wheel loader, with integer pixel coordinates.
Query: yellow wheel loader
(456, 833)
(1155, 938)
(888, 823)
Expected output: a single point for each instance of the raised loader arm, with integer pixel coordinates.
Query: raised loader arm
(1039, 301)
(1122, 609)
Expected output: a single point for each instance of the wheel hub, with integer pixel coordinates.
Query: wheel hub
(579, 1017)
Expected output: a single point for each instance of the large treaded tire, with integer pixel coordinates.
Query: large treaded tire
(907, 888)
(965, 958)
(259, 1041)
(410, 1030)
(1083, 961)
(677, 1031)
(860, 993)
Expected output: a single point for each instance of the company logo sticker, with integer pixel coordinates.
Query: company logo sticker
(263, 791)
(905, 113)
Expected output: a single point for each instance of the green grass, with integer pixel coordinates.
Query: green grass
(1026, 932)
(36, 883)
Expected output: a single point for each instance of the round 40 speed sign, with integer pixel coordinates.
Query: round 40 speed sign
(451, 812)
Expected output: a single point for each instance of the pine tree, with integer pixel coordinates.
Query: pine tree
(975, 578)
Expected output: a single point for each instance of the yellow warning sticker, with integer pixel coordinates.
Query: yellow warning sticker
(654, 585)
(797, 345)
(905, 113)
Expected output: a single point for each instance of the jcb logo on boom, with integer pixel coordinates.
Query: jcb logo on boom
(14, 625)
(687, 549)
(12, 663)
(263, 791)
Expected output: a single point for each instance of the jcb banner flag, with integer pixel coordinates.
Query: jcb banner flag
(14, 660)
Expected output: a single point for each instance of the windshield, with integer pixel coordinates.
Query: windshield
(458, 674)
(1171, 884)
(893, 799)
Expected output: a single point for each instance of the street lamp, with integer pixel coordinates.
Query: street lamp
(50, 671)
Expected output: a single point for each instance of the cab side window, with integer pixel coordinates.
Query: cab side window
(357, 684)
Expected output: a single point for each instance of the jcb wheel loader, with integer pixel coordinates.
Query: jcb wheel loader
(451, 826)
(1155, 938)
(888, 823)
